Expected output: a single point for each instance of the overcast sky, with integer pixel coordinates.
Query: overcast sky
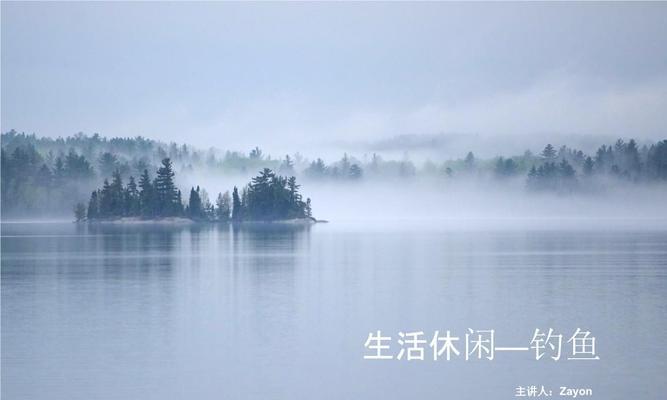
(234, 75)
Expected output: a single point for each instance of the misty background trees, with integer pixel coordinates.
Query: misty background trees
(45, 176)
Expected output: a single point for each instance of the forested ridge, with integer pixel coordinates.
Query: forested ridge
(45, 176)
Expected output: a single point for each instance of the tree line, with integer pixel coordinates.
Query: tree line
(569, 170)
(34, 185)
(66, 170)
(268, 197)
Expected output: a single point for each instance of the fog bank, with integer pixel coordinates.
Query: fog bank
(485, 205)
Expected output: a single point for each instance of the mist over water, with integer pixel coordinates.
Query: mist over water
(489, 205)
(472, 202)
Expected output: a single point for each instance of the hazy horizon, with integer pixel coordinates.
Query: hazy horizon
(291, 77)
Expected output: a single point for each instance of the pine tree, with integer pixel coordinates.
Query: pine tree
(632, 158)
(131, 198)
(108, 163)
(146, 198)
(588, 166)
(256, 153)
(309, 208)
(105, 200)
(179, 203)
(93, 207)
(195, 210)
(566, 170)
(237, 207)
(317, 169)
(549, 153)
(469, 161)
(270, 197)
(656, 160)
(165, 190)
(355, 172)
(287, 166)
(117, 196)
(44, 177)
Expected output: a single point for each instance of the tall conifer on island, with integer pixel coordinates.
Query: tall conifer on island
(237, 208)
(93, 206)
(116, 194)
(131, 198)
(195, 209)
(105, 200)
(165, 190)
(146, 198)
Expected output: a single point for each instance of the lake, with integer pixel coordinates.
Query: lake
(283, 312)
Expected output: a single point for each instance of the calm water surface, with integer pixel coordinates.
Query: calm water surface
(141, 312)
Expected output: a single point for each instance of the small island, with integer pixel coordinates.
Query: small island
(267, 198)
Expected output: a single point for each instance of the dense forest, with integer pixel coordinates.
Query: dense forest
(268, 197)
(46, 176)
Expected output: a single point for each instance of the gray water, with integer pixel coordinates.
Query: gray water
(146, 312)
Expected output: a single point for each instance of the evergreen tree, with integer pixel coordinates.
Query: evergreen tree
(106, 200)
(271, 197)
(632, 160)
(505, 167)
(108, 163)
(549, 153)
(588, 166)
(552, 177)
(117, 201)
(619, 146)
(309, 208)
(256, 154)
(657, 160)
(93, 207)
(287, 166)
(76, 167)
(566, 170)
(178, 206)
(317, 169)
(469, 162)
(45, 177)
(166, 194)
(237, 208)
(132, 204)
(355, 172)
(195, 210)
(146, 197)
(59, 172)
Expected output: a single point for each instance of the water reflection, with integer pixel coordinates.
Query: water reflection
(209, 311)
